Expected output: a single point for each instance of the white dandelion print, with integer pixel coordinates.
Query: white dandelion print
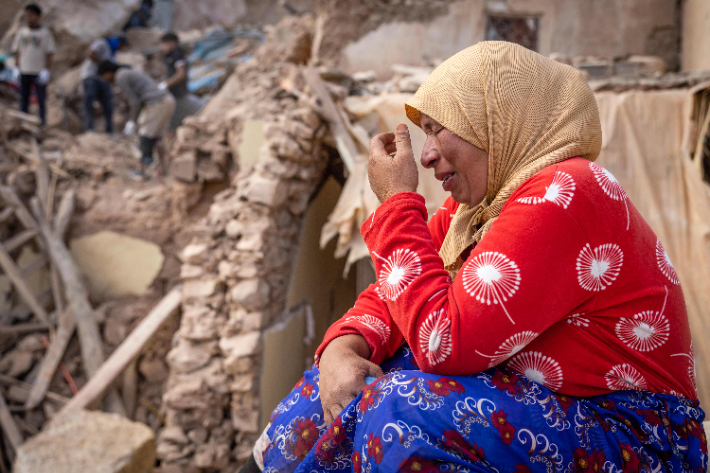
(578, 320)
(397, 272)
(510, 347)
(611, 187)
(374, 324)
(492, 278)
(664, 263)
(691, 366)
(598, 268)
(559, 192)
(625, 377)
(538, 368)
(435, 337)
(646, 331)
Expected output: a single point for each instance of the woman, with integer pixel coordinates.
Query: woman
(535, 324)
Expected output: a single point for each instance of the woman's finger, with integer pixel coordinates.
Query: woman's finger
(391, 148)
(378, 142)
(403, 142)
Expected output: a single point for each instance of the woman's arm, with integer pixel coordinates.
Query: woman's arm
(517, 282)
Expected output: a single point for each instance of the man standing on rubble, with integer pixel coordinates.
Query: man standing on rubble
(96, 88)
(186, 104)
(34, 47)
(150, 107)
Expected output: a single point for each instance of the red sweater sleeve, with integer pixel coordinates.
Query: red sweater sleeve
(370, 316)
(516, 283)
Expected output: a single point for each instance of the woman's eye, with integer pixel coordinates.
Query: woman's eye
(436, 133)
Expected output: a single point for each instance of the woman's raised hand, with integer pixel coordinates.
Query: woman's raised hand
(343, 369)
(392, 174)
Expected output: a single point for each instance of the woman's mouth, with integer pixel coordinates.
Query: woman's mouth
(447, 183)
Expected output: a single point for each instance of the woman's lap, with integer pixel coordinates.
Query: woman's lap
(493, 421)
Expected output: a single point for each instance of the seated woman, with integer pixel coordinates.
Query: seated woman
(535, 324)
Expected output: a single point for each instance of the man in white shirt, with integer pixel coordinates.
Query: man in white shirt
(34, 47)
(95, 88)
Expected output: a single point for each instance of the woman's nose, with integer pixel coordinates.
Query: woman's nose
(429, 154)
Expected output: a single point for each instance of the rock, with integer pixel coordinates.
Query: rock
(242, 383)
(189, 271)
(16, 363)
(209, 171)
(198, 435)
(266, 191)
(114, 331)
(245, 420)
(153, 370)
(199, 288)
(212, 456)
(250, 293)
(234, 228)
(365, 76)
(237, 365)
(252, 140)
(187, 357)
(240, 345)
(117, 265)
(89, 442)
(173, 434)
(195, 253)
(199, 323)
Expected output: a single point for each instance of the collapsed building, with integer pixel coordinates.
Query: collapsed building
(278, 154)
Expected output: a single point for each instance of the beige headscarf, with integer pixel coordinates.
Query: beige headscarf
(525, 110)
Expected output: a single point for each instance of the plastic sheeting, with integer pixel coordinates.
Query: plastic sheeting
(647, 144)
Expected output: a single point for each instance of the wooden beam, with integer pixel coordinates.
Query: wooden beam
(344, 142)
(51, 359)
(10, 197)
(24, 328)
(10, 381)
(125, 353)
(6, 213)
(11, 244)
(9, 426)
(92, 352)
(23, 116)
(13, 273)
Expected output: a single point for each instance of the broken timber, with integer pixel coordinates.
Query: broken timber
(125, 353)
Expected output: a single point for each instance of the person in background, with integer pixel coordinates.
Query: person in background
(150, 106)
(96, 88)
(186, 104)
(34, 47)
(141, 17)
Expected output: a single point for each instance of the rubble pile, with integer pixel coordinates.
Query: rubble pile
(235, 274)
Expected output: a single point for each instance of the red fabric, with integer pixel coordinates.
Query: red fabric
(570, 287)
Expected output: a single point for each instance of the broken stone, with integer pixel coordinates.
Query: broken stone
(252, 140)
(117, 265)
(115, 331)
(199, 323)
(240, 345)
(187, 357)
(199, 288)
(170, 452)
(195, 253)
(236, 365)
(198, 435)
(173, 434)
(209, 171)
(184, 166)
(251, 293)
(245, 420)
(90, 442)
(212, 456)
(266, 191)
(153, 370)
(189, 271)
(242, 383)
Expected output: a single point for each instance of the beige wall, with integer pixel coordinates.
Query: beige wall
(696, 35)
(604, 28)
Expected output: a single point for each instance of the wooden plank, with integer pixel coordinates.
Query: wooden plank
(92, 352)
(34, 120)
(20, 239)
(125, 353)
(343, 140)
(64, 213)
(10, 197)
(6, 213)
(10, 381)
(51, 360)
(20, 329)
(22, 154)
(13, 273)
(9, 426)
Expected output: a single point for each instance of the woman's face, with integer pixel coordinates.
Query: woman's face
(462, 168)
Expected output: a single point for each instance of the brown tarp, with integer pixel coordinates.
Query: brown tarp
(648, 140)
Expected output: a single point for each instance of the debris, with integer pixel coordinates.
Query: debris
(116, 265)
(9, 427)
(90, 442)
(126, 352)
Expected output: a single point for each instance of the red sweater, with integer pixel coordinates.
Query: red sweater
(570, 287)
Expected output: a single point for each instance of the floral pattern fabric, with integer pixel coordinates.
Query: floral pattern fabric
(494, 421)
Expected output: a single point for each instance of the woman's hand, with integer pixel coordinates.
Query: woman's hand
(392, 174)
(343, 369)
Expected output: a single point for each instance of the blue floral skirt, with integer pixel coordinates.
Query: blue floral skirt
(496, 421)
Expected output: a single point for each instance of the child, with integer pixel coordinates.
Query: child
(33, 47)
